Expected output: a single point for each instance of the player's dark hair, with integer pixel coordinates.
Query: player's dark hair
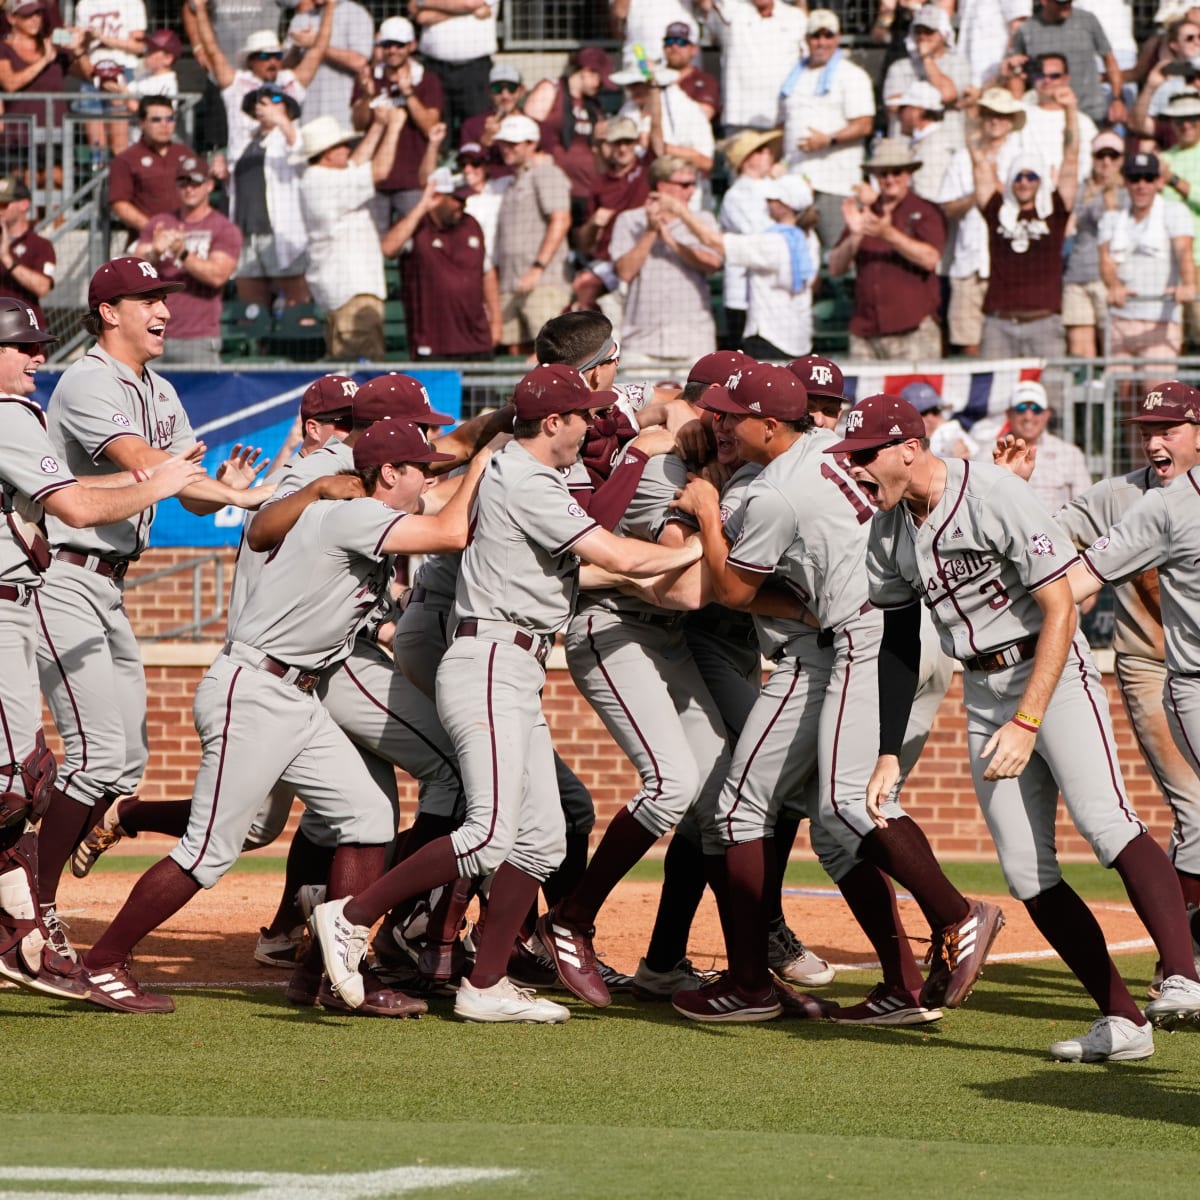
(369, 476)
(146, 103)
(525, 428)
(800, 424)
(693, 390)
(572, 338)
(93, 323)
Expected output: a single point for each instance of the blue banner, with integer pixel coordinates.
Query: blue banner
(257, 408)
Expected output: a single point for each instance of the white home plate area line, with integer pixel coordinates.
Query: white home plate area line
(176, 1184)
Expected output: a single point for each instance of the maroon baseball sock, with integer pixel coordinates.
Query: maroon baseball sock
(65, 823)
(306, 863)
(1069, 926)
(157, 896)
(750, 868)
(625, 842)
(425, 829)
(869, 896)
(1190, 884)
(565, 879)
(431, 866)
(786, 829)
(1154, 891)
(902, 851)
(682, 888)
(448, 912)
(162, 816)
(512, 893)
(717, 876)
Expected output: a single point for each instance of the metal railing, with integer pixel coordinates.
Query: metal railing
(195, 627)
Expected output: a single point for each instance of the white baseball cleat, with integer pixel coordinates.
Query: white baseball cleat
(343, 947)
(504, 1001)
(792, 960)
(1110, 1039)
(649, 984)
(1178, 1000)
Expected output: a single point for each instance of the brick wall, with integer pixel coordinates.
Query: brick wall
(939, 793)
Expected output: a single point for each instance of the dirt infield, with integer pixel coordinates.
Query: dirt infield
(212, 939)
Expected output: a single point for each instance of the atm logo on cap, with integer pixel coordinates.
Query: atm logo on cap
(349, 387)
(734, 379)
(822, 375)
(148, 270)
(854, 420)
(1152, 401)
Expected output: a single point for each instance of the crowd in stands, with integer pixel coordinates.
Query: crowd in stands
(1003, 179)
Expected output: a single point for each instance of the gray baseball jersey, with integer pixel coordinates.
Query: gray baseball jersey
(1162, 530)
(985, 548)
(97, 401)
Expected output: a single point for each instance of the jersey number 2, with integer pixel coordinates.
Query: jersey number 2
(861, 508)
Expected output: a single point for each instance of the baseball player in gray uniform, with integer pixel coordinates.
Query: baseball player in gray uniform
(258, 716)
(516, 589)
(1159, 530)
(974, 543)
(109, 413)
(33, 482)
(819, 706)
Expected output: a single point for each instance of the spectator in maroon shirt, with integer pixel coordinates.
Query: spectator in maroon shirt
(451, 305)
(570, 116)
(507, 91)
(625, 185)
(1027, 223)
(408, 83)
(680, 51)
(141, 180)
(894, 240)
(27, 260)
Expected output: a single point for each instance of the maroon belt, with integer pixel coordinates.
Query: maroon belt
(109, 568)
(1006, 656)
(16, 594)
(304, 681)
(539, 647)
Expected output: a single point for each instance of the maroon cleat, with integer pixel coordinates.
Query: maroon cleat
(114, 987)
(800, 1006)
(958, 954)
(723, 1001)
(305, 984)
(887, 1005)
(570, 949)
(45, 971)
(379, 1000)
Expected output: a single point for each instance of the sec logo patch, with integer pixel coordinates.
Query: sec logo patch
(49, 465)
(120, 419)
(574, 510)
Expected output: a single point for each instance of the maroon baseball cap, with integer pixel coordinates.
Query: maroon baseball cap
(879, 421)
(397, 397)
(395, 442)
(718, 366)
(165, 39)
(556, 388)
(680, 29)
(331, 395)
(472, 152)
(126, 277)
(820, 376)
(1170, 403)
(761, 390)
(597, 60)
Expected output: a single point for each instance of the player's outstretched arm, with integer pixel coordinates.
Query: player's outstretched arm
(80, 505)
(630, 556)
(274, 521)
(447, 531)
(467, 439)
(1084, 584)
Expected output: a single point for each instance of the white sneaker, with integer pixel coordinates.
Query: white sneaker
(308, 896)
(1178, 1000)
(343, 947)
(793, 961)
(504, 1001)
(1110, 1039)
(280, 949)
(662, 985)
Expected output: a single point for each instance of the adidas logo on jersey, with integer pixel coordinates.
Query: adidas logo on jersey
(957, 532)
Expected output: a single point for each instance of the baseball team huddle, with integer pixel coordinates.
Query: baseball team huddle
(675, 538)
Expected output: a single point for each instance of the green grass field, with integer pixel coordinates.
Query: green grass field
(238, 1095)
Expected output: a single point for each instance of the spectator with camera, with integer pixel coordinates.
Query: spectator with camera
(1147, 264)
(347, 53)
(1045, 116)
(1167, 78)
(142, 178)
(198, 247)
(27, 260)
(401, 80)
(930, 58)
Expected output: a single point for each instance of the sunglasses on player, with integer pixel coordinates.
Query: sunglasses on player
(864, 458)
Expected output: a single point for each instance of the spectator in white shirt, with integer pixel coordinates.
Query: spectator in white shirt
(1045, 116)
(682, 129)
(985, 30)
(931, 58)
(827, 107)
(641, 22)
(116, 41)
(345, 262)
(458, 39)
(351, 43)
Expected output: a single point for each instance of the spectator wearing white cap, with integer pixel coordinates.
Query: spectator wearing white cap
(349, 52)
(1085, 298)
(1147, 264)
(894, 241)
(458, 39)
(920, 115)
(345, 264)
(1183, 182)
(827, 109)
(947, 438)
(680, 50)
(507, 91)
(1045, 116)
(752, 155)
(670, 122)
(760, 41)
(260, 61)
(780, 265)
(531, 235)
(930, 57)
(408, 85)
(451, 304)
(668, 312)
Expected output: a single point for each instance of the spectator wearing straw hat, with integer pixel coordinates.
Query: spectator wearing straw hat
(345, 263)
(930, 58)
(827, 107)
(1182, 166)
(1026, 217)
(920, 114)
(27, 260)
(894, 240)
(752, 155)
